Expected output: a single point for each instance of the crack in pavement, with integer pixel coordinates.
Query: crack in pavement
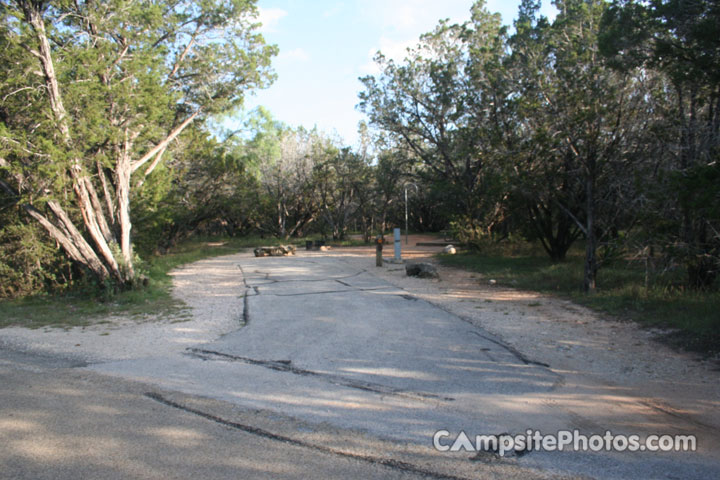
(672, 412)
(320, 279)
(512, 350)
(286, 366)
(509, 348)
(385, 462)
(408, 297)
(256, 286)
(246, 310)
(324, 292)
(246, 298)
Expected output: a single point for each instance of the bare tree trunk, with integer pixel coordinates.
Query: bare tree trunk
(66, 234)
(78, 251)
(107, 194)
(122, 172)
(77, 241)
(95, 200)
(32, 14)
(590, 271)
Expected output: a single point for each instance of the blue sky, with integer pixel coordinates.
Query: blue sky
(326, 45)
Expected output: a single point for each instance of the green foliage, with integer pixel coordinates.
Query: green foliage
(442, 104)
(470, 234)
(698, 191)
(29, 264)
(342, 181)
(677, 37)
(680, 41)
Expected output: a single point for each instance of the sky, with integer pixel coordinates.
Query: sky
(326, 45)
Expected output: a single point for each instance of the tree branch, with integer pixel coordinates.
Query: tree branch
(163, 145)
(574, 218)
(184, 53)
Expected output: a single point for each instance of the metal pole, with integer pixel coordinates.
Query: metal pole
(396, 234)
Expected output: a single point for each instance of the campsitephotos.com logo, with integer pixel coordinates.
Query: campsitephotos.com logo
(563, 440)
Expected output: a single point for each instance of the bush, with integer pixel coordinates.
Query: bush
(30, 263)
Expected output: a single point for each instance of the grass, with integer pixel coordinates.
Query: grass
(89, 305)
(692, 317)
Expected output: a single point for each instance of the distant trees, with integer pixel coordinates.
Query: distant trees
(439, 104)
(575, 128)
(288, 195)
(680, 41)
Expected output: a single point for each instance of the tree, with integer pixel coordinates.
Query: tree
(545, 194)
(391, 169)
(440, 105)
(340, 179)
(206, 186)
(288, 195)
(576, 120)
(117, 83)
(680, 39)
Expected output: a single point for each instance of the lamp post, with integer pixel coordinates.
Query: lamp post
(406, 208)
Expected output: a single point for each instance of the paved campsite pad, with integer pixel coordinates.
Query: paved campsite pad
(327, 342)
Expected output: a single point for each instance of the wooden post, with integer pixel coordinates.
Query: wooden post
(378, 251)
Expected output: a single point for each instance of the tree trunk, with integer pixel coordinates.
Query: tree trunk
(71, 241)
(590, 272)
(122, 173)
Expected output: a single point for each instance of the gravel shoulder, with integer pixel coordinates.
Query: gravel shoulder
(208, 287)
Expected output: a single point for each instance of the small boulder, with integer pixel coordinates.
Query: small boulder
(421, 270)
(275, 251)
(450, 250)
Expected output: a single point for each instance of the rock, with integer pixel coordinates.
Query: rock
(421, 270)
(275, 251)
(450, 249)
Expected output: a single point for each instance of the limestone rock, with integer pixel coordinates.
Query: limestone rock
(450, 249)
(275, 251)
(421, 270)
